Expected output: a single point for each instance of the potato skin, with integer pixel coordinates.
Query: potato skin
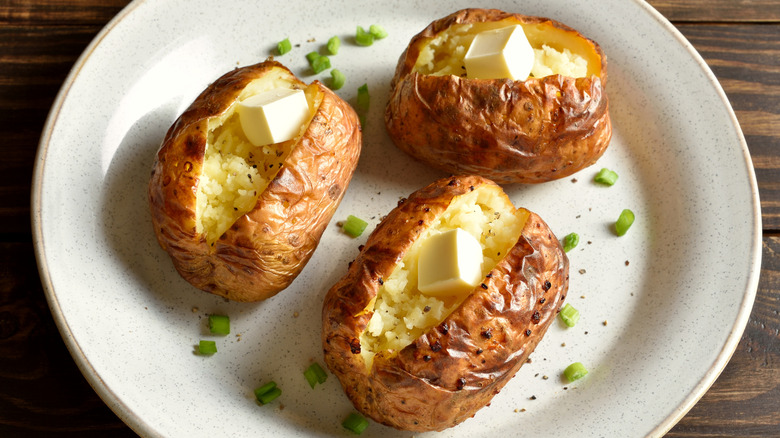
(455, 368)
(529, 131)
(265, 249)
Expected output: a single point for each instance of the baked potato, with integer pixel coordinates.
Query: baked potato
(240, 220)
(545, 127)
(417, 362)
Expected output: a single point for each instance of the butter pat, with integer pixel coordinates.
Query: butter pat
(273, 116)
(499, 54)
(450, 264)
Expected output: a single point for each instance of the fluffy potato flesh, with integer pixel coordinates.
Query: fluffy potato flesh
(556, 50)
(235, 172)
(241, 221)
(419, 363)
(401, 313)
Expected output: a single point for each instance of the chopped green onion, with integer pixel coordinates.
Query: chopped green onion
(363, 98)
(284, 46)
(320, 64)
(321, 375)
(219, 324)
(569, 315)
(355, 423)
(354, 226)
(624, 222)
(264, 389)
(333, 45)
(207, 347)
(315, 374)
(606, 176)
(377, 31)
(269, 396)
(337, 79)
(570, 241)
(363, 38)
(267, 392)
(311, 377)
(575, 371)
(311, 56)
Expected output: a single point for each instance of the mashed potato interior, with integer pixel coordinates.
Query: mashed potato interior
(235, 172)
(556, 51)
(401, 312)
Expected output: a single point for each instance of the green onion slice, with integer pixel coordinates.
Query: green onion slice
(333, 45)
(363, 38)
(207, 347)
(311, 56)
(268, 387)
(311, 377)
(355, 423)
(363, 98)
(354, 226)
(219, 324)
(337, 79)
(315, 374)
(570, 241)
(569, 315)
(575, 371)
(284, 46)
(269, 396)
(320, 64)
(624, 222)
(377, 31)
(606, 176)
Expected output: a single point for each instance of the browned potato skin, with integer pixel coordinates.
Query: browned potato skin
(529, 131)
(474, 352)
(265, 249)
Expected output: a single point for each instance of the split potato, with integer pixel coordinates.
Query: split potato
(419, 362)
(545, 127)
(240, 220)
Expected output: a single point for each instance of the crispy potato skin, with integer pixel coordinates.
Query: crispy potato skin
(265, 249)
(529, 131)
(474, 352)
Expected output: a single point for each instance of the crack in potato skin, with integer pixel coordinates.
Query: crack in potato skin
(457, 366)
(529, 131)
(265, 249)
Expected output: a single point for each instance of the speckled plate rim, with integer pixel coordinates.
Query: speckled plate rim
(746, 307)
(114, 401)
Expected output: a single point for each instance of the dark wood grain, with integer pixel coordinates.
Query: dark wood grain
(756, 11)
(42, 392)
(746, 61)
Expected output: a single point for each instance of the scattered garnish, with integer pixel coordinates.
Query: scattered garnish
(363, 38)
(570, 241)
(315, 374)
(569, 315)
(333, 45)
(355, 423)
(354, 226)
(219, 324)
(606, 176)
(624, 222)
(284, 46)
(207, 347)
(575, 371)
(267, 393)
(337, 79)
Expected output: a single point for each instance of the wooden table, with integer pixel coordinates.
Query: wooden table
(43, 394)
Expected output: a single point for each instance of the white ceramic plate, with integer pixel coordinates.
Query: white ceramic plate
(662, 307)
